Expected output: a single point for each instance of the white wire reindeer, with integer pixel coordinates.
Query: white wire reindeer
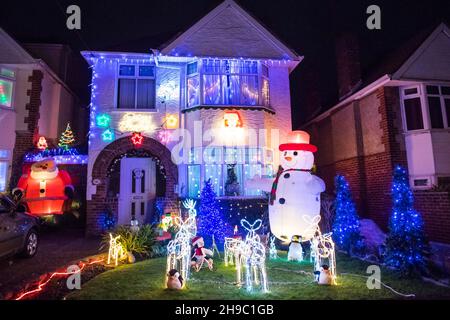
(116, 251)
(273, 254)
(323, 250)
(231, 248)
(179, 249)
(252, 257)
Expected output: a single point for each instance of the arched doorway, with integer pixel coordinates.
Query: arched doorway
(152, 159)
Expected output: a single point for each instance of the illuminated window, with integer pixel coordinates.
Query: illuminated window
(6, 91)
(4, 165)
(136, 87)
(229, 169)
(227, 82)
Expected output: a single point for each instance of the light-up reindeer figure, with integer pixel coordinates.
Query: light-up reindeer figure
(179, 249)
(253, 256)
(273, 254)
(322, 250)
(116, 250)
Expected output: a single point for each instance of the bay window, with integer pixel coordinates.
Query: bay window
(6, 87)
(4, 165)
(227, 82)
(228, 168)
(136, 87)
(426, 107)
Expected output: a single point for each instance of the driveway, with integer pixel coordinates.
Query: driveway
(58, 248)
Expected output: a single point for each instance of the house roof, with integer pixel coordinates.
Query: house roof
(390, 67)
(12, 52)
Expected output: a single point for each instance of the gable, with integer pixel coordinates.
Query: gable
(12, 52)
(229, 31)
(431, 61)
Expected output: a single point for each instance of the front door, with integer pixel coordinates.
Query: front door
(137, 189)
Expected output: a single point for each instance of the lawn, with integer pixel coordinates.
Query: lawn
(145, 280)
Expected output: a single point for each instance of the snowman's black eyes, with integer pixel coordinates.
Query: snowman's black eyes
(285, 153)
(295, 153)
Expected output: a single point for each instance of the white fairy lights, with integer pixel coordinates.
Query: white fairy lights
(116, 251)
(273, 254)
(179, 249)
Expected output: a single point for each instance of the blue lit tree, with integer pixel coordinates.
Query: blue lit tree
(346, 221)
(210, 219)
(405, 245)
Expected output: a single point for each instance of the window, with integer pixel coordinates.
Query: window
(227, 82)
(433, 114)
(413, 112)
(7, 77)
(136, 87)
(228, 168)
(4, 165)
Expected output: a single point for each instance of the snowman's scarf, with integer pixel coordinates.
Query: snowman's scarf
(273, 192)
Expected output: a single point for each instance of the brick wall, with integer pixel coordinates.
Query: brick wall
(25, 139)
(435, 210)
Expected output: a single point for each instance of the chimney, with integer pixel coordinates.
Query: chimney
(347, 63)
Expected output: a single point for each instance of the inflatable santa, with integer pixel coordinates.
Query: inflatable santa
(45, 188)
(294, 207)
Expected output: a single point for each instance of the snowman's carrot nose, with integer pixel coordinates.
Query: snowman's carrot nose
(288, 158)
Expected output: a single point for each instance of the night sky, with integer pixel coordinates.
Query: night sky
(308, 27)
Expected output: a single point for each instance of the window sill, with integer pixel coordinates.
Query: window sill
(420, 131)
(231, 107)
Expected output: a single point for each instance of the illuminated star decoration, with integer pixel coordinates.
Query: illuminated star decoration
(137, 138)
(171, 121)
(103, 120)
(108, 135)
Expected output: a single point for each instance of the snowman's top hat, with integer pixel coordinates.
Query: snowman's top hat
(298, 140)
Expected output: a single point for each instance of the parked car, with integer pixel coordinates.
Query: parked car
(19, 231)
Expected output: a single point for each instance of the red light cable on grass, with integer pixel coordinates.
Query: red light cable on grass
(42, 285)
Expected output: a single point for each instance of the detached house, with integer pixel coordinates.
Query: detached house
(223, 83)
(396, 113)
(35, 101)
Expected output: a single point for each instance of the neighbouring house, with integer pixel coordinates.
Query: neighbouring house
(397, 113)
(35, 101)
(223, 77)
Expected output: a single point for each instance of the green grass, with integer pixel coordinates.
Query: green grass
(145, 280)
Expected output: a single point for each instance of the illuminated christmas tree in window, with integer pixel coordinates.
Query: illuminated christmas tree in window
(67, 138)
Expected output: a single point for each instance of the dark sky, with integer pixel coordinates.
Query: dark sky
(308, 26)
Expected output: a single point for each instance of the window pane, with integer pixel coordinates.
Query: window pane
(3, 175)
(447, 110)
(265, 93)
(410, 91)
(146, 94)
(234, 155)
(126, 70)
(8, 73)
(251, 170)
(264, 70)
(6, 88)
(413, 111)
(4, 154)
(211, 91)
(146, 71)
(193, 91)
(192, 68)
(432, 89)
(127, 89)
(214, 172)
(211, 66)
(231, 89)
(249, 90)
(445, 90)
(193, 181)
(434, 104)
(233, 180)
(212, 155)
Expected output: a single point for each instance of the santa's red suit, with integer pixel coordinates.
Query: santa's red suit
(45, 188)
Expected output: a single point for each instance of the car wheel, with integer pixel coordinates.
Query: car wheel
(31, 244)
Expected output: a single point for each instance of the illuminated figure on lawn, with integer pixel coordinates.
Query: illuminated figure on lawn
(294, 207)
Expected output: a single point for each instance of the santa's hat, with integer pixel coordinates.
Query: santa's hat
(195, 240)
(299, 141)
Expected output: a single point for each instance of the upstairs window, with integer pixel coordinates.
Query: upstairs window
(413, 109)
(136, 87)
(7, 77)
(227, 82)
(438, 98)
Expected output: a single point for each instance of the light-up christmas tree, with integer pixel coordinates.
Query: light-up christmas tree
(67, 138)
(346, 221)
(210, 219)
(405, 245)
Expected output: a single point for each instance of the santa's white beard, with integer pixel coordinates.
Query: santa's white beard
(44, 175)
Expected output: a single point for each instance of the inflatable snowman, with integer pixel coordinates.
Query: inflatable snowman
(294, 207)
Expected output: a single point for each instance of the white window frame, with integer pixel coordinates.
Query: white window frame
(442, 98)
(136, 77)
(7, 160)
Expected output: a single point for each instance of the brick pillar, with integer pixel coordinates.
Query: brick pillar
(24, 139)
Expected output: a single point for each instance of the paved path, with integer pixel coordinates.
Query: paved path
(57, 249)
